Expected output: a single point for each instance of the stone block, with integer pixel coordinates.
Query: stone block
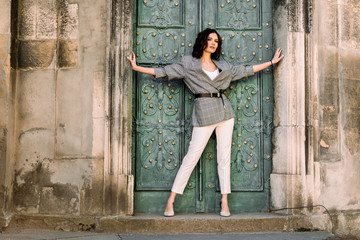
(4, 191)
(280, 153)
(26, 198)
(351, 94)
(289, 86)
(99, 94)
(328, 24)
(27, 19)
(91, 195)
(329, 103)
(4, 78)
(36, 100)
(356, 28)
(328, 62)
(30, 175)
(98, 137)
(36, 54)
(46, 20)
(77, 172)
(68, 53)
(329, 92)
(344, 25)
(352, 130)
(4, 50)
(339, 184)
(347, 225)
(80, 182)
(33, 146)
(349, 62)
(3, 113)
(5, 16)
(329, 117)
(287, 191)
(69, 20)
(288, 149)
(352, 122)
(52, 222)
(278, 191)
(74, 129)
(351, 3)
(3, 148)
(59, 199)
(28, 184)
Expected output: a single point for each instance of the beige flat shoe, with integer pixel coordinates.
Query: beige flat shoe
(225, 214)
(169, 214)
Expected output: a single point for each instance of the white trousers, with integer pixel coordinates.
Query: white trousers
(199, 139)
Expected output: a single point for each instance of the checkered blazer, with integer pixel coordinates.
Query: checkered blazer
(207, 111)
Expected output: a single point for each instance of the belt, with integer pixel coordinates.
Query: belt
(212, 95)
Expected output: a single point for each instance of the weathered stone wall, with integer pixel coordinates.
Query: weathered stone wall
(60, 60)
(337, 71)
(289, 179)
(64, 108)
(6, 114)
(317, 95)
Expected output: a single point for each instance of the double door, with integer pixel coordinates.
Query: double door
(165, 30)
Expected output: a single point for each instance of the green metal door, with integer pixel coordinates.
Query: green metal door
(165, 30)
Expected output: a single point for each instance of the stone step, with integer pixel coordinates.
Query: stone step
(212, 223)
(179, 224)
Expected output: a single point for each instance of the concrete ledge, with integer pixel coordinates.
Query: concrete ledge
(52, 222)
(194, 223)
(157, 224)
(344, 223)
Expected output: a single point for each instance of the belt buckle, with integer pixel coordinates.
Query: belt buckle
(218, 94)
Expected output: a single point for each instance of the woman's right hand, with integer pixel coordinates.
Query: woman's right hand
(146, 70)
(132, 60)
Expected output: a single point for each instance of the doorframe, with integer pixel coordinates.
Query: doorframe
(295, 178)
(295, 174)
(118, 193)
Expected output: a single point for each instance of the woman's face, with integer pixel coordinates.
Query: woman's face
(212, 43)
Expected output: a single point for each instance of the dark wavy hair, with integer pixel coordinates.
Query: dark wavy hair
(201, 44)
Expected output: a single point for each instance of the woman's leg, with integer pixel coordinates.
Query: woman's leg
(200, 137)
(224, 138)
(170, 202)
(224, 204)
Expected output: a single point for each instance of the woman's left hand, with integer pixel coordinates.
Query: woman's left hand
(277, 57)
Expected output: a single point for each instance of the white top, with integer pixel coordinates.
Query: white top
(212, 75)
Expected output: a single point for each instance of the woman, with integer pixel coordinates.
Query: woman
(206, 77)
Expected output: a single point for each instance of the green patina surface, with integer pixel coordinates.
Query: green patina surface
(164, 31)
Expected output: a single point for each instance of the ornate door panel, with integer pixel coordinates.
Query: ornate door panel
(165, 31)
(246, 30)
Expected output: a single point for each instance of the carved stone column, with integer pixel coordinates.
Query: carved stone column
(118, 180)
(292, 178)
(7, 91)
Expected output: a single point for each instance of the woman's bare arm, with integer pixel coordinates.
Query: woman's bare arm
(277, 58)
(132, 60)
